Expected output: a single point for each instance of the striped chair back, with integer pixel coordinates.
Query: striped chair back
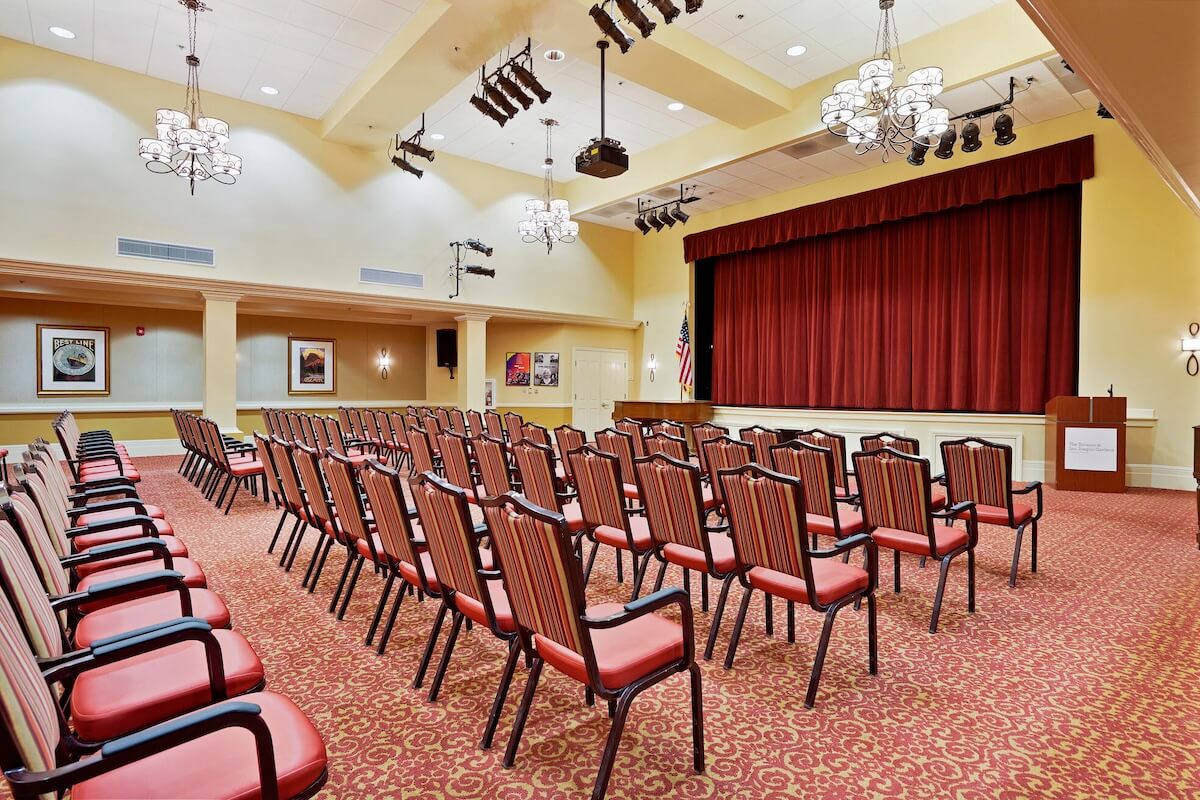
(725, 453)
(668, 427)
(351, 516)
(383, 421)
(433, 424)
(814, 466)
(50, 494)
(493, 425)
(458, 422)
(443, 418)
(978, 470)
(289, 479)
(701, 434)
(263, 447)
(514, 426)
(673, 500)
(904, 444)
(456, 461)
(413, 415)
(568, 439)
(399, 425)
(421, 449)
(598, 480)
(637, 437)
(30, 712)
(344, 418)
(29, 525)
(446, 522)
(27, 593)
(619, 444)
(543, 578)
(308, 468)
(371, 427)
(475, 421)
(535, 465)
(388, 505)
(492, 460)
(295, 427)
(662, 442)
(835, 442)
(328, 433)
(766, 519)
(536, 433)
(762, 439)
(895, 491)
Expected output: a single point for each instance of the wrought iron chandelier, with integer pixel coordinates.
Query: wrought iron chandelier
(190, 144)
(549, 219)
(873, 111)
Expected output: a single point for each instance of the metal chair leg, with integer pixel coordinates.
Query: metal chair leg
(447, 652)
(715, 626)
(819, 662)
(611, 745)
(737, 627)
(427, 656)
(514, 738)
(387, 629)
(383, 598)
(510, 667)
(941, 590)
(1016, 559)
(358, 565)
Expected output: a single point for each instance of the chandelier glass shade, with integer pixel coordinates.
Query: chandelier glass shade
(876, 112)
(548, 220)
(187, 143)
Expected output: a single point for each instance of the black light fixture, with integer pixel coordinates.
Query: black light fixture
(692, 6)
(475, 269)
(403, 164)
(497, 86)
(1004, 130)
(970, 138)
(401, 149)
(512, 90)
(636, 17)
(919, 149)
(528, 79)
(486, 108)
(668, 10)
(497, 99)
(458, 268)
(654, 221)
(664, 216)
(945, 148)
(478, 247)
(640, 224)
(609, 27)
(678, 213)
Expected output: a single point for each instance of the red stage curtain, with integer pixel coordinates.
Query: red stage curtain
(974, 308)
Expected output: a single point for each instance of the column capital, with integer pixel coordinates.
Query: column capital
(216, 294)
(472, 317)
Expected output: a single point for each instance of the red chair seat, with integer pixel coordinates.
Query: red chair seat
(96, 474)
(139, 613)
(833, 580)
(624, 653)
(409, 573)
(222, 764)
(475, 611)
(615, 537)
(937, 498)
(89, 540)
(918, 543)
(631, 492)
(850, 521)
(192, 575)
(359, 459)
(175, 547)
(364, 549)
(710, 502)
(721, 545)
(244, 468)
(101, 516)
(574, 515)
(998, 515)
(136, 692)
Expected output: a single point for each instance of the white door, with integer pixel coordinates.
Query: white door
(601, 377)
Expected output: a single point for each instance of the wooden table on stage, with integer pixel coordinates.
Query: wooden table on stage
(689, 412)
(1069, 423)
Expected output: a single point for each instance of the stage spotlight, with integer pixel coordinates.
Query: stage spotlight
(917, 156)
(1004, 130)
(497, 99)
(529, 81)
(609, 27)
(412, 148)
(515, 92)
(485, 108)
(945, 148)
(692, 6)
(654, 221)
(970, 138)
(668, 9)
(678, 213)
(478, 247)
(1102, 112)
(641, 225)
(475, 269)
(407, 167)
(665, 217)
(637, 18)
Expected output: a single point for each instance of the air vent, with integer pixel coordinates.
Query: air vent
(391, 277)
(162, 251)
(808, 147)
(616, 210)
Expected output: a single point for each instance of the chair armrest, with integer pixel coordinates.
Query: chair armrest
(722, 528)
(850, 499)
(957, 510)
(842, 545)
(158, 738)
(240, 447)
(642, 606)
(1033, 486)
(168, 580)
(114, 549)
(146, 523)
(108, 505)
(125, 491)
(117, 637)
(101, 483)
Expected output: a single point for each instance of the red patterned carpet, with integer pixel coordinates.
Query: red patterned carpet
(1083, 682)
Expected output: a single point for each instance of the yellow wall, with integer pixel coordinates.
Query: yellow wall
(504, 338)
(1139, 286)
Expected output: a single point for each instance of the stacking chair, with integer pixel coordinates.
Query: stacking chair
(674, 507)
(767, 522)
(275, 490)
(491, 456)
(702, 433)
(911, 446)
(721, 453)
(319, 510)
(636, 434)
(351, 519)
(237, 462)
(475, 424)
(762, 439)
(400, 447)
(295, 504)
(568, 440)
(111, 501)
(458, 422)
(827, 514)
(899, 515)
(670, 428)
(514, 427)
(536, 433)
(456, 461)
(535, 465)
(981, 472)
(421, 450)
(469, 590)
(842, 478)
(331, 437)
(620, 444)
(373, 436)
(616, 652)
(663, 442)
(443, 418)
(494, 425)
(92, 457)
(606, 519)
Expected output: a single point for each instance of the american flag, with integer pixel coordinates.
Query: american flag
(683, 351)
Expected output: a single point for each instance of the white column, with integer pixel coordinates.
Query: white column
(220, 359)
(472, 359)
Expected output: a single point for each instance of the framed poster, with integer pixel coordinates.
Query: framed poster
(311, 366)
(72, 360)
(516, 369)
(489, 393)
(545, 369)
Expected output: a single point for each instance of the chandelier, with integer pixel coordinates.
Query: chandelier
(874, 112)
(190, 144)
(549, 219)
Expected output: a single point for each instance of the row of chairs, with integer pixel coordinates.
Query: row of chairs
(120, 676)
(213, 462)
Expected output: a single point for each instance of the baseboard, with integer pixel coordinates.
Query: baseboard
(1142, 476)
(136, 447)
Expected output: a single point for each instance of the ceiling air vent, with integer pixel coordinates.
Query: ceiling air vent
(391, 277)
(162, 251)
(811, 146)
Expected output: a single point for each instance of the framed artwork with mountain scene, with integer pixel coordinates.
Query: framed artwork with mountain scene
(311, 366)
(72, 360)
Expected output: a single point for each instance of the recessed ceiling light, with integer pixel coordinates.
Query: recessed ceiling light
(797, 50)
(554, 55)
(268, 90)
(675, 106)
(62, 33)
(437, 136)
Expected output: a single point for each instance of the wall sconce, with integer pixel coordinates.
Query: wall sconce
(1191, 345)
(385, 361)
(652, 364)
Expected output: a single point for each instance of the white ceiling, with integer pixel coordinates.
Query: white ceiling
(1053, 93)
(310, 50)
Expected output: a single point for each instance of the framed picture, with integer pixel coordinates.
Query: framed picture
(489, 393)
(516, 369)
(72, 360)
(545, 369)
(311, 366)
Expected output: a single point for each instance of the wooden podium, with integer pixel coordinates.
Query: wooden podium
(1085, 444)
(689, 412)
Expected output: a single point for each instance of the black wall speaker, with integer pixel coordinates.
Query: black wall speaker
(447, 347)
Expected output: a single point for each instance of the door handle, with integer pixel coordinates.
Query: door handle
(606, 405)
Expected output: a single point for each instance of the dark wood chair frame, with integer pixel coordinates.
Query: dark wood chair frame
(640, 558)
